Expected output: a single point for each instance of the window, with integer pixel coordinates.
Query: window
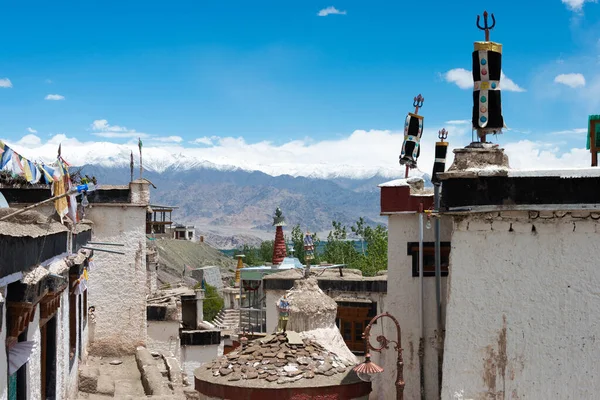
(429, 258)
(352, 319)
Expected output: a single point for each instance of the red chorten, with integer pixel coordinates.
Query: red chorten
(279, 247)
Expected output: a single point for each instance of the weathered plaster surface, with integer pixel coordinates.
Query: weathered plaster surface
(62, 347)
(163, 337)
(117, 283)
(523, 296)
(34, 368)
(403, 303)
(193, 357)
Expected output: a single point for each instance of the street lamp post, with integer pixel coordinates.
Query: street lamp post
(366, 369)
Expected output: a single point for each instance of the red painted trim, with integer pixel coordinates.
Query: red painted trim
(399, 199)
(340, 392)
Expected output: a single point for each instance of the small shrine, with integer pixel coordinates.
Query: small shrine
(279, 247)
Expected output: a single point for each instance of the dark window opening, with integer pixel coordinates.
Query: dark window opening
(48, 359)
(72, 327)
(429, 258)
(85, 307)
(80, 325)
(17, 382)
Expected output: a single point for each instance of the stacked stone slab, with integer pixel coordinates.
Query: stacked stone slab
(281, 358)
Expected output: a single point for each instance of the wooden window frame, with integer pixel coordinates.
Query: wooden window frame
(429, 251)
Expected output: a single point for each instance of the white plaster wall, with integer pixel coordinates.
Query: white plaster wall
(403, 303)
(3, 358)
(272, 296)
(163, 337)
(193, 357)
(63, 383)
(117, 284)
(522, 320)
(34, 368)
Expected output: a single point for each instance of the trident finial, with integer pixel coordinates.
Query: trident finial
(485, 26)
(443, 134)
(418, 103)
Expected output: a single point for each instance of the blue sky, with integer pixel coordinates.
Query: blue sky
(271, 71)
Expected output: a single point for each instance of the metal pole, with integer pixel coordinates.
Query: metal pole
(421, 316)
(104, 250)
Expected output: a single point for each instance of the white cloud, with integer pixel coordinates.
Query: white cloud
(576, 5)
(458, 122)
(526, 154)
(330, 11)
(5, 83)
(571, 80)
(48, 81)
(102, 128)
(575, 131)
(31, 130)
(204, 140)
(168, 139)
(30, 141)
(464, 80)
(361, 154)
(54, 97)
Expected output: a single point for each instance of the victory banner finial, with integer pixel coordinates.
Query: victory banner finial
(487, 71)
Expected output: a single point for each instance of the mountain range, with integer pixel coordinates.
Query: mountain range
(232, 206)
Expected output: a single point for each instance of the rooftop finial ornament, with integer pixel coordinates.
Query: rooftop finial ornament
(278, 219)
(485, 26)
(487, 70)
(413, 130)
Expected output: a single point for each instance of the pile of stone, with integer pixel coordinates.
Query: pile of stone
(281, 358)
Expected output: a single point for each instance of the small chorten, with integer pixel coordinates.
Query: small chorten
(312, 314)
(279, 247)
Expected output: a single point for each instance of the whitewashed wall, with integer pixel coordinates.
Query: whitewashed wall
(403, 304)
(163, 337)
(33, 367)
(193, 357)
(522, 319)
(117, 283)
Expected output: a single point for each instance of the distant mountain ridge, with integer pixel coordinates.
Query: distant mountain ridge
(233, 207)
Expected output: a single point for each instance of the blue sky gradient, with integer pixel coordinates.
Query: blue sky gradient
(278, 72)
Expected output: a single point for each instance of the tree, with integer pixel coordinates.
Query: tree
(252, 255)
(298, 244)
(375, 258)
(338, 250)
(266, 250)
(213, 303)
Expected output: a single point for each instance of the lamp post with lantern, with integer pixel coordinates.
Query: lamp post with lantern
(367, 369)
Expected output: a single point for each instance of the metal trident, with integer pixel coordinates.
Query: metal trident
(418, 103)
(443, 134)
(485, 26)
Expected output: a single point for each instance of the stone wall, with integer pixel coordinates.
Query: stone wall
(523, 305)
(118, 282)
